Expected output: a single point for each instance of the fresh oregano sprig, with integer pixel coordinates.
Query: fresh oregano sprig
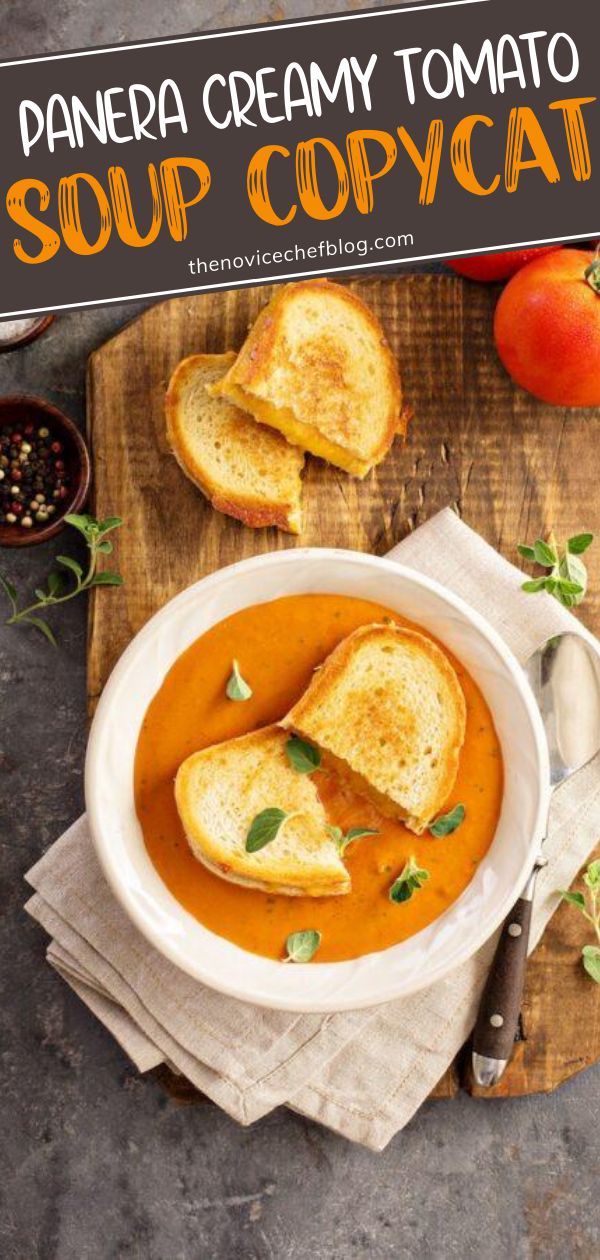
(566, 575)
(63, 586)
(409, 881)
(588, 904)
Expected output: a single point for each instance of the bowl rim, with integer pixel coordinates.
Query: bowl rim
(193, 967)
(84, 478)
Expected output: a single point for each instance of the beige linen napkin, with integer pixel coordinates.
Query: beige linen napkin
(362, 1073)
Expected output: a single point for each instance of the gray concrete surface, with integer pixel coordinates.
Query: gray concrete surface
(97, 1163)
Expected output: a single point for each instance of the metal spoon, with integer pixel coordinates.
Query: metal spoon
(564, 675)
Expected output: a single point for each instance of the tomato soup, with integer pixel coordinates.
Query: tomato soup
(278, 645)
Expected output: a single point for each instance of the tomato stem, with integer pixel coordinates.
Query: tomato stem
(592, 273)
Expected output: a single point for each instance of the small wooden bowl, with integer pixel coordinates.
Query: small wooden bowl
(31, 334)
(26, 409)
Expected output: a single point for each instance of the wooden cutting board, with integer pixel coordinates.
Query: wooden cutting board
(510, 466)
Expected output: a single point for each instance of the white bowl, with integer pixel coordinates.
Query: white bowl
(405, 968)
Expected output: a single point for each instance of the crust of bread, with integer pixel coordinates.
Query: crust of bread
(281, 890)
(250, 509)
(369, 719)
(321, 373)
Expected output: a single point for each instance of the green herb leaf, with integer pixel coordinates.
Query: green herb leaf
(302, 946)
(39, 624)
(544, 554)
(570, 588)
(574, 899)
(84, 523)
(355, 833)
(572, 569)
(55, 583)
(573, 580)
(111, 522)
(264, 828)
(592, 875)
(237, 688)
(591, 961)
(568, 598)
(401, 890)
(579, 543)
(567, 601)
(8, 588)
(106, 579)
(104, 547)
(447, 823)
(528, 553)
(302, 756)
(69, 563)
(535, 584)
(410, 879)
(39, 594)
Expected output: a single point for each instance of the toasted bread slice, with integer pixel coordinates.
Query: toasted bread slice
(389, 713)
(219, 793)
(317, 367)
(245, 469)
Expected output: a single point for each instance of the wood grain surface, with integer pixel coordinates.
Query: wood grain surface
(510, 466)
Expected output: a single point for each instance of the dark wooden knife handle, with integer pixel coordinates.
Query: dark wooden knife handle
(498, 1018)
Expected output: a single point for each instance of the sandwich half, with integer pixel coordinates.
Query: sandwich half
(316, 366)
(222, 789)
(389, 714)
(244, 469)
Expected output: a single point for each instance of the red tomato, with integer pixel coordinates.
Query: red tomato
(488, 267)
(547, 328)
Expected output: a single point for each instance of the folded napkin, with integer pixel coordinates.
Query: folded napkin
(361, 1073)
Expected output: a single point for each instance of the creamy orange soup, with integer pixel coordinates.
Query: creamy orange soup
(278, 646)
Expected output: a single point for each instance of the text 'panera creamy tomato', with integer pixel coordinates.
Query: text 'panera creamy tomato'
(278, 646)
